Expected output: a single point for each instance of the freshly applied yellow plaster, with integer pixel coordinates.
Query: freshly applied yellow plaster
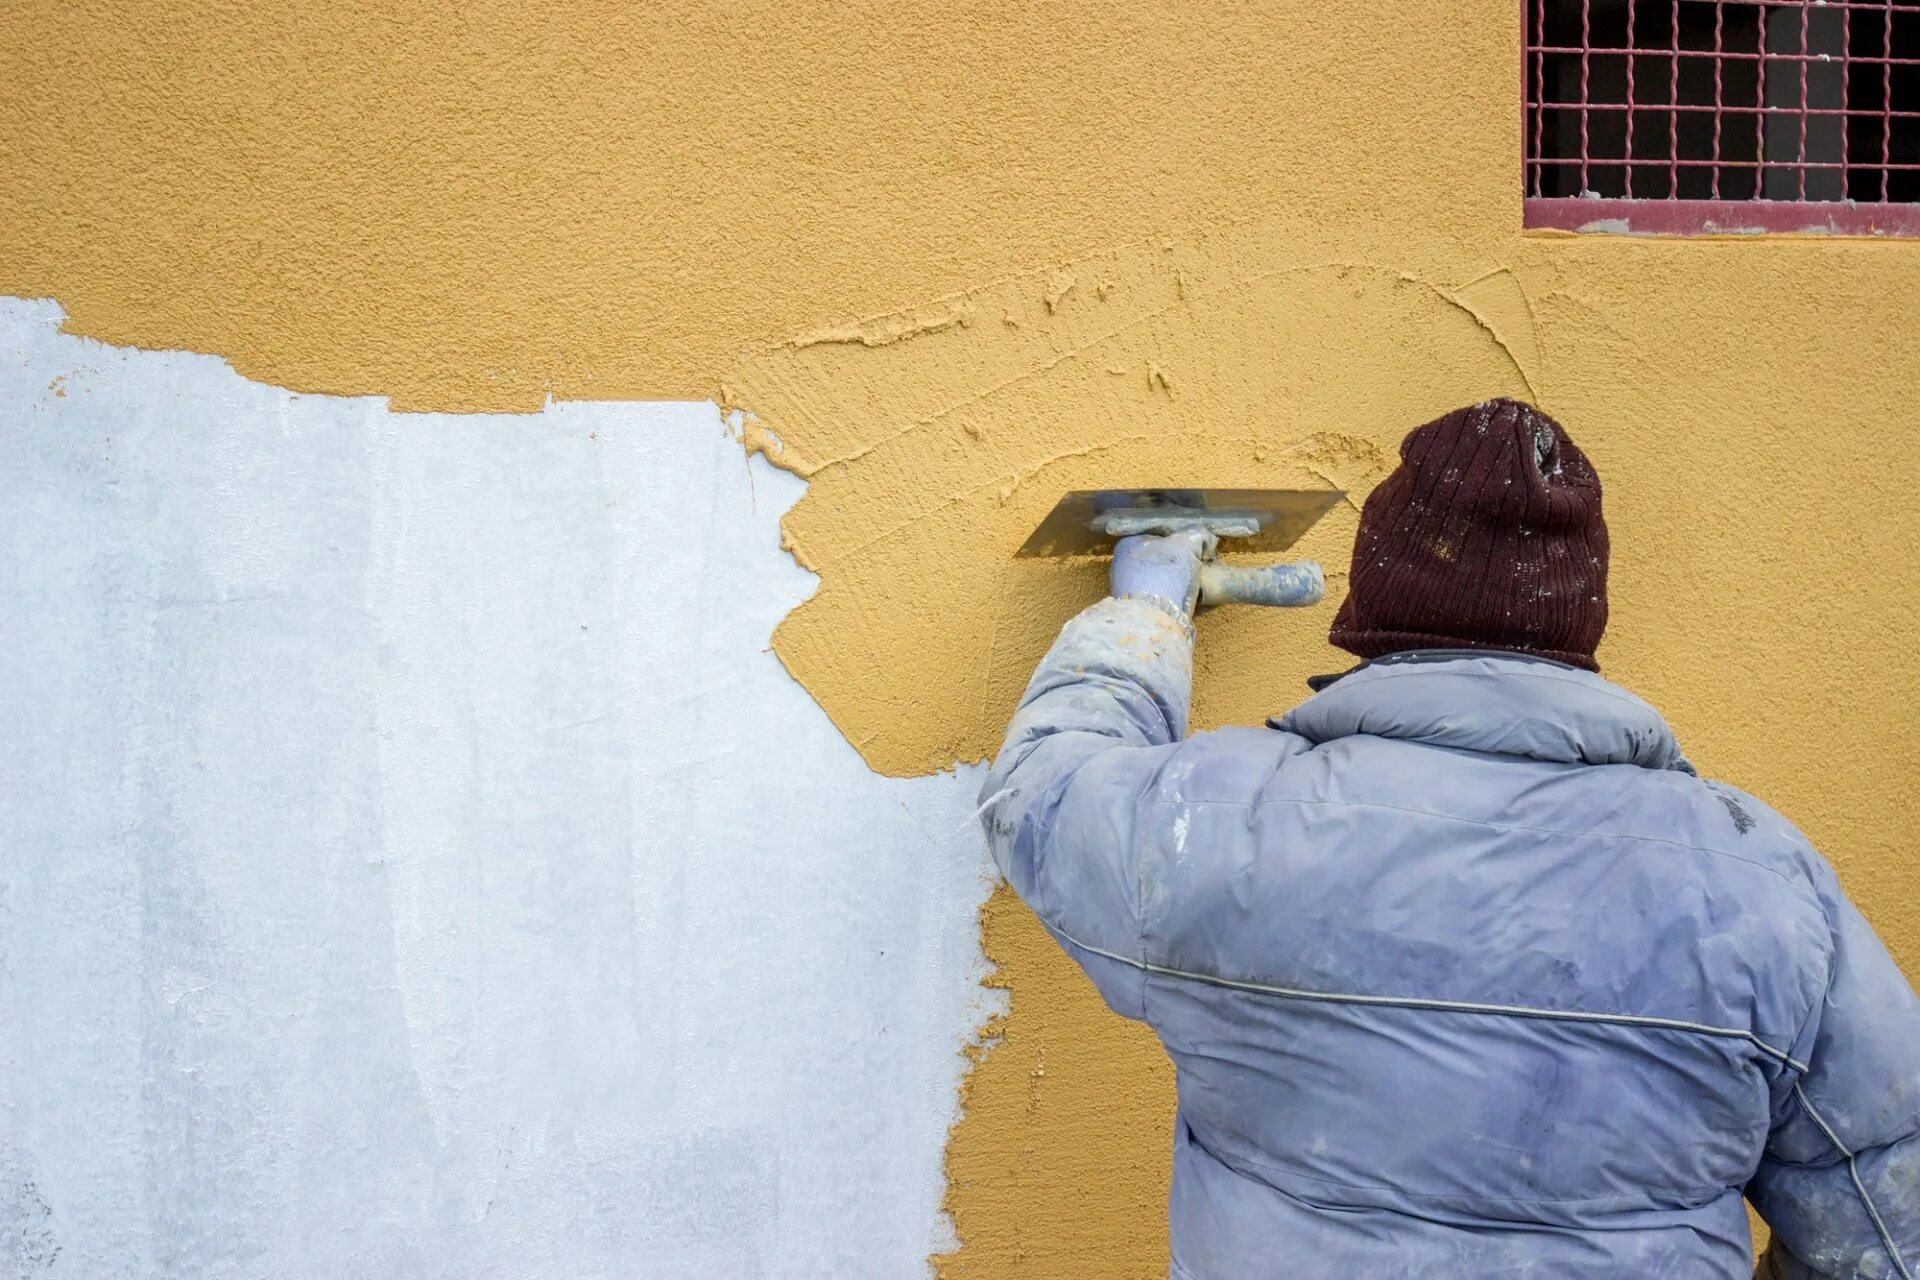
(956, 259)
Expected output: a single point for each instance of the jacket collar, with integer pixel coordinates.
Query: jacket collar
(1503, 704)
(1403, 656)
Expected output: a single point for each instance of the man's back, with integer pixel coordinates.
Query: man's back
(1464, 973)
(1589, 972)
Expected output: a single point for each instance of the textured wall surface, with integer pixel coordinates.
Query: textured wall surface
(406, 867)
(956, 259)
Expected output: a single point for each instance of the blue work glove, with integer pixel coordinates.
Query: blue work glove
(1166, 567)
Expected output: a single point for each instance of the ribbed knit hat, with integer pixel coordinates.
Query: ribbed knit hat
(1488, 535)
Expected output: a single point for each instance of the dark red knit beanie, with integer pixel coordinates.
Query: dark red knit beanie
(1488, 535)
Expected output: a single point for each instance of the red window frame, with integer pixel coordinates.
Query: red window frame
(1631, 119)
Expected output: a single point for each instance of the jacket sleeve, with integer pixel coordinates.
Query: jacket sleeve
(1839, 1182)
(1103, 711)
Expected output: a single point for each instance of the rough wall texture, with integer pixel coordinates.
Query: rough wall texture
(957, 259)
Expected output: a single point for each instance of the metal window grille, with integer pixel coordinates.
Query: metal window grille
(1690, 116)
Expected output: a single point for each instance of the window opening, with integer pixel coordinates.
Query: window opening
(1676, 116)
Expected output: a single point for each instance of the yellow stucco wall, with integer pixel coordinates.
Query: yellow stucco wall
(958, 258)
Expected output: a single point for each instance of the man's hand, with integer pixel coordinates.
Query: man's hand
(1165, 567)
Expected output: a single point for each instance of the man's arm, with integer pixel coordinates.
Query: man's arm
(1103, 711)
(1839, 1182)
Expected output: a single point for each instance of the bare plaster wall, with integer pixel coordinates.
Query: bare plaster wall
(415, 863)
(954, 259)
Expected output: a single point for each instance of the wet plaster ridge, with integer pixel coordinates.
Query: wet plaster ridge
(891, 327)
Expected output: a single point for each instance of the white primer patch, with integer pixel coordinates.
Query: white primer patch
(416, 862)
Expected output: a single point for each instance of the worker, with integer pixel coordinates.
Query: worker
(1464, 970)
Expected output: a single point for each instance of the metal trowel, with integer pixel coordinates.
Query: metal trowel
(1088, 521)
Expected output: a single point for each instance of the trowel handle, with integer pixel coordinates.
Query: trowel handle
(1298, 583)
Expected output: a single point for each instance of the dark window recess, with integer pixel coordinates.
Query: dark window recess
(1723, 115)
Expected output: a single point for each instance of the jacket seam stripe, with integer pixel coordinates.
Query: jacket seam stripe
(1451, 1006)
(1853, 1171)
(1462, 1198)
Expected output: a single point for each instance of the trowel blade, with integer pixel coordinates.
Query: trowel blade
(1278, 516)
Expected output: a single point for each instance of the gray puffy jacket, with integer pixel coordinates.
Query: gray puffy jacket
(1465, 974)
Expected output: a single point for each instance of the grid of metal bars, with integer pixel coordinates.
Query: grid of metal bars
(1691, 116)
